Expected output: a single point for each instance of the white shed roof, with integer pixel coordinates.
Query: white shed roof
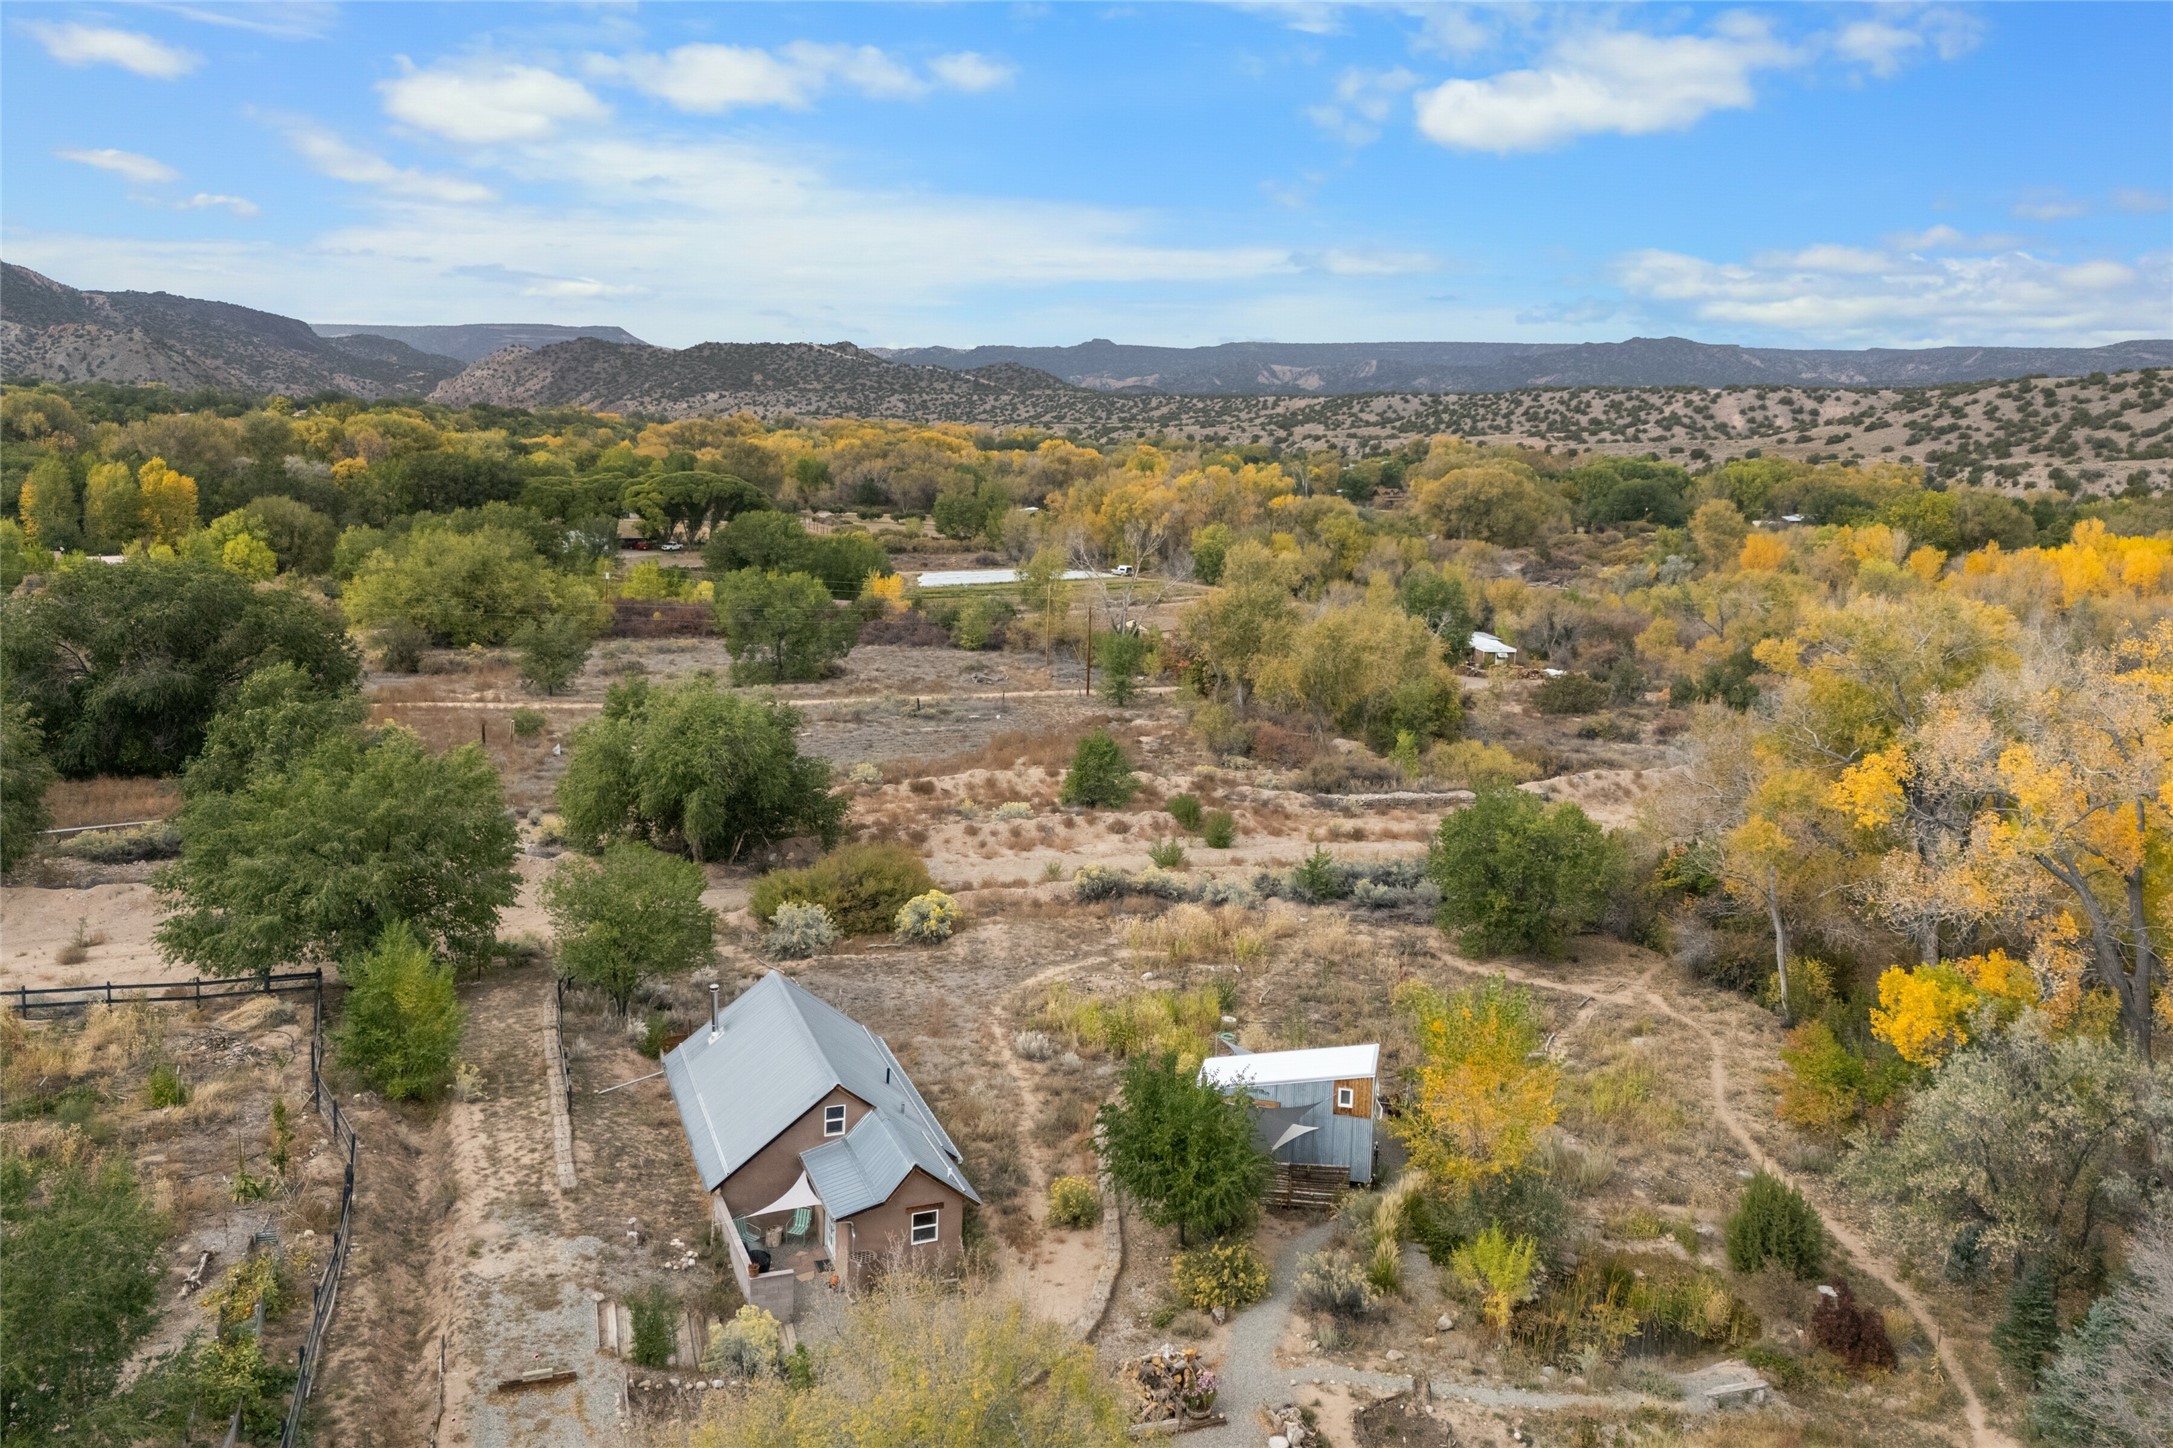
(1486, 643)
(1283, 1068)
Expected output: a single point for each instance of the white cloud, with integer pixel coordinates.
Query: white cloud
(489, 103)
(208, 200)
(281, 19)
(332, 156)
(708, 78)
(1876, 45)
(126, 164)
(2137, 201)
(1342, 263)
(1363, 99)
(77, 44)
(2049, 206)
(1597, 81)
(1849, 295)
(972, 72)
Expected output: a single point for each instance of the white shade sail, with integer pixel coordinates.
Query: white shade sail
(798, 1196)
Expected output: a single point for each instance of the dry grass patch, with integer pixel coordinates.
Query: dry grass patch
(107, 800)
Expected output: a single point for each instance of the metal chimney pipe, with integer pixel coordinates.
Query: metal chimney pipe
(714, 1025)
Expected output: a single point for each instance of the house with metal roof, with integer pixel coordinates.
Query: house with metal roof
(1314, 1108)
(820, 1156)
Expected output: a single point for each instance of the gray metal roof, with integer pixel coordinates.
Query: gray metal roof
(778, 1050)
(863, 1167)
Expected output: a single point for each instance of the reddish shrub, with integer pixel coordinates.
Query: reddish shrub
(1851, 1331)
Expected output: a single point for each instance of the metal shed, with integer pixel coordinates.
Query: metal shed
(1316, 1107)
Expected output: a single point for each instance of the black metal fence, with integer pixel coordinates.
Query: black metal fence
(61, 999)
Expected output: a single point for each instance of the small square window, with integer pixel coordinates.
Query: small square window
(1345, 1098)
(924, 1227)
(833, 1120)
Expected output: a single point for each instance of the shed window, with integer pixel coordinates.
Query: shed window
(833, 1120)
(1345, 1098)
(924, 1226)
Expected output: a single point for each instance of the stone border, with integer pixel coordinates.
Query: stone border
(1089, 1321)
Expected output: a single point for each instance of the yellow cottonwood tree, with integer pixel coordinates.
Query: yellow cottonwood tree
(168, 501)
(1482, 1101)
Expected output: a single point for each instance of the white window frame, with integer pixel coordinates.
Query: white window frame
(1346, 1098)
(833, 1114)
(934, 1226)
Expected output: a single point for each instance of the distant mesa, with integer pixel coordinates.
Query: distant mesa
(474, 341)
(1328, 368)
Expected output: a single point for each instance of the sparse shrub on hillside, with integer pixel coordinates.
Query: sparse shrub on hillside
(1185, 809)
(1013, 809)
(1218, 829)
(1773, 1223)
(1074, 1202)
(527, 723)
(862, 886)
(1853, 1332)
(1166, 855)
(1225, 1274)
(927, 919)
(1101, 775)
(799, 930)
(1334, 1283)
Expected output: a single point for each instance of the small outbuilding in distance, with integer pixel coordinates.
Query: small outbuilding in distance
(1316, 1107)
(1487, 649)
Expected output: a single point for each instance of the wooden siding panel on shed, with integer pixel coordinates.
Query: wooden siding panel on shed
(1361, 1089)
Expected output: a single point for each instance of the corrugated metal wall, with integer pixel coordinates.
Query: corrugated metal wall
(1345, 1141)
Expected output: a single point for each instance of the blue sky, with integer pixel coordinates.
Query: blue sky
(1802, 175)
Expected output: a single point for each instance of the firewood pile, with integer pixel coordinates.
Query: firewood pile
(1171, 1384)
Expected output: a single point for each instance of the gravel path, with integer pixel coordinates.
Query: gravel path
(1249, 1380)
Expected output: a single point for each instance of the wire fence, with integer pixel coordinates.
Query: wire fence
(324, 1298)
(558, 1028)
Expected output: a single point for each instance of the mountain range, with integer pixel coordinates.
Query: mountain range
(474, 341)
(52, 332)
(1330, 368)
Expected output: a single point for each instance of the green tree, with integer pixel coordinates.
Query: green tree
(24, 777)
(1436, 598)
(18, 560)
(299, 535)
(401, 1022)
(1773, 1223)
(553, 650)
(690, 766)
(770, 542)
(630, 916)
(1497, 502)
(1184, 1149)
(127, 665)
(781, 627)
(2029, 1333)
(1518, 874)
(79, 1287)
(465, 587)
(1101, 775)
(278, 715)
(312, 862)
(1121, 656)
